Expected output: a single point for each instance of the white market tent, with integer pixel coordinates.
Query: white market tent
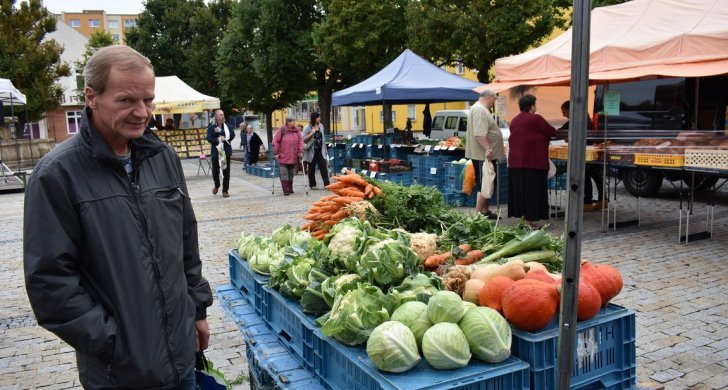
(174, 96)
(9, 94)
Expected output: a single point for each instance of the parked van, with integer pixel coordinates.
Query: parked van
(662, 108)
(449, 123)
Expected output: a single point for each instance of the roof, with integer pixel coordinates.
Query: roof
(10, 95)
(408, 79)
(174, 96)
(636, 39)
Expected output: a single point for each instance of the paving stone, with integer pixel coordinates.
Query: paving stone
(666, 375)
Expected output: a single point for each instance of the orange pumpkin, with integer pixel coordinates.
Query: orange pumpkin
(530, 304)
(540, 275)
(604, 278)
(491, 294)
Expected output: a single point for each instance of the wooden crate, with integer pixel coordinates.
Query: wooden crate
(707, 158)
(659, 160)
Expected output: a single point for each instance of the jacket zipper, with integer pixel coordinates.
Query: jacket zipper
(157, 273)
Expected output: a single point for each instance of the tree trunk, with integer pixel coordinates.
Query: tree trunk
(269, 126)
(324, 89)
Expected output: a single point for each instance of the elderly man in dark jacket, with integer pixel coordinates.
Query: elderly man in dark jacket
(111, 257)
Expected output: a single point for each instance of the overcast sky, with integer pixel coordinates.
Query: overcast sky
(110, 6)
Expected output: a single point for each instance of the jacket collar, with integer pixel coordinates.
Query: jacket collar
(146, 145)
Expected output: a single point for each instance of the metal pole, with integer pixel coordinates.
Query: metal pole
(574, 210)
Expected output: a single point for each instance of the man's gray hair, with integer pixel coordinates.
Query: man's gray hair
(487, 92)
(123, 58)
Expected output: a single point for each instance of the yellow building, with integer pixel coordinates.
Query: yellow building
(89, 21)
(369, 119)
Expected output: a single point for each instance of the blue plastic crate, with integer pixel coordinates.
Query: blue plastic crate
(558, 182)
(454, 170)
(377, 151)
(604, 356)
(341, 367)
(248, 283)
(454, 199)
(356, 150)
(271, 365)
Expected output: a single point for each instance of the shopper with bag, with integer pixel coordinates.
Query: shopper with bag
(484, 143)
(528, 163)
(315, 151)
(288, 149)
(219, 135)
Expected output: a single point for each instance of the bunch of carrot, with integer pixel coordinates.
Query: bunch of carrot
(329, 210)
(464, 254)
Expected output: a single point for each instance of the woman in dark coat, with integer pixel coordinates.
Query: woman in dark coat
(528, 163)
(252, 145)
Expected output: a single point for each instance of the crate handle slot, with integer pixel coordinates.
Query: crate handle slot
(285, 335)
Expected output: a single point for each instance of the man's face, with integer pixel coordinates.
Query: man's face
(491, 101)
(124, 109)
(249, 129)
(219, 116)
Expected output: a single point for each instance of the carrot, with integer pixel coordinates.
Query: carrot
(377, 191)
(327, 198)
(354, 179)
(371, 195)
(307, 226)
(435, 261)
(368, 189)
(336, 186)
(331, 222)
(311, 217)
(342, 213)
(471, 257)
(351, 192)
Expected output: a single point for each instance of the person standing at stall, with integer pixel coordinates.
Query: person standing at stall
(528, 163)
(592, 172)
(110, 251)
(288, 149)
(315, 151)
(220, 136)
(484, 141)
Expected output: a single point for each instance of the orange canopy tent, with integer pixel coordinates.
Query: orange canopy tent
(633, 40)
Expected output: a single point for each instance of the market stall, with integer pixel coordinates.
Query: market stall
(9, 97)
(385, 286)
(174, 96)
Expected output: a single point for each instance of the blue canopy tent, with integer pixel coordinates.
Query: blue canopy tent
(408, 79)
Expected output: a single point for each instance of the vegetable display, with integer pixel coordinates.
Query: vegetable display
(396, 268)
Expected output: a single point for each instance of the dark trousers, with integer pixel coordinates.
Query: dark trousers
(318, 160)
(592, 172)
(225, 173)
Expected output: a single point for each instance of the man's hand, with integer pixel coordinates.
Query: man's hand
(203, 335)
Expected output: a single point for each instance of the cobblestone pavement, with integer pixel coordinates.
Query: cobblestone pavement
(677, 290)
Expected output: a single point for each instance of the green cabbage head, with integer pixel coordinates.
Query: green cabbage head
(392, 347)
(488, 334)
(445, 306)
(445, 346)
(414, 315)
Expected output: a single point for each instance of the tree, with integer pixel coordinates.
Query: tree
(96, 41)
(207, 26)
(477, 33)
(353, 40)
(264, 59)
(31, 64)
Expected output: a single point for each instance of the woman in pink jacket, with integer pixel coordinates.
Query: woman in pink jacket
(287, 149)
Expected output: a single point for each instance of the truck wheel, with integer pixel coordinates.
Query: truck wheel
(702, 182)
(642, 182)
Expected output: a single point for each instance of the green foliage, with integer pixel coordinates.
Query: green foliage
(97, 40)
(264, 60)
(440, 29)
(32, 64)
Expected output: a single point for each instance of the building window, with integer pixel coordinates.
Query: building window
(115, 37)
(75, 23)
(128, 23)
(73, 118)
(113, 24)
(460, 68)
(381, 116)
(93, 23)
(411, 112)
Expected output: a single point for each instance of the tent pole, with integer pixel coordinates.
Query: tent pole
(605, 190)
(575, 199)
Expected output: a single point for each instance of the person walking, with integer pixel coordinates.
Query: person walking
(220, 136)
(315, 151)
(252, 145)
(484, 141)
(288, 149)
(528, 163)
(110, 251)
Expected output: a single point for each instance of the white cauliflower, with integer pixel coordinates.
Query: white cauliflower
(343, 242)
